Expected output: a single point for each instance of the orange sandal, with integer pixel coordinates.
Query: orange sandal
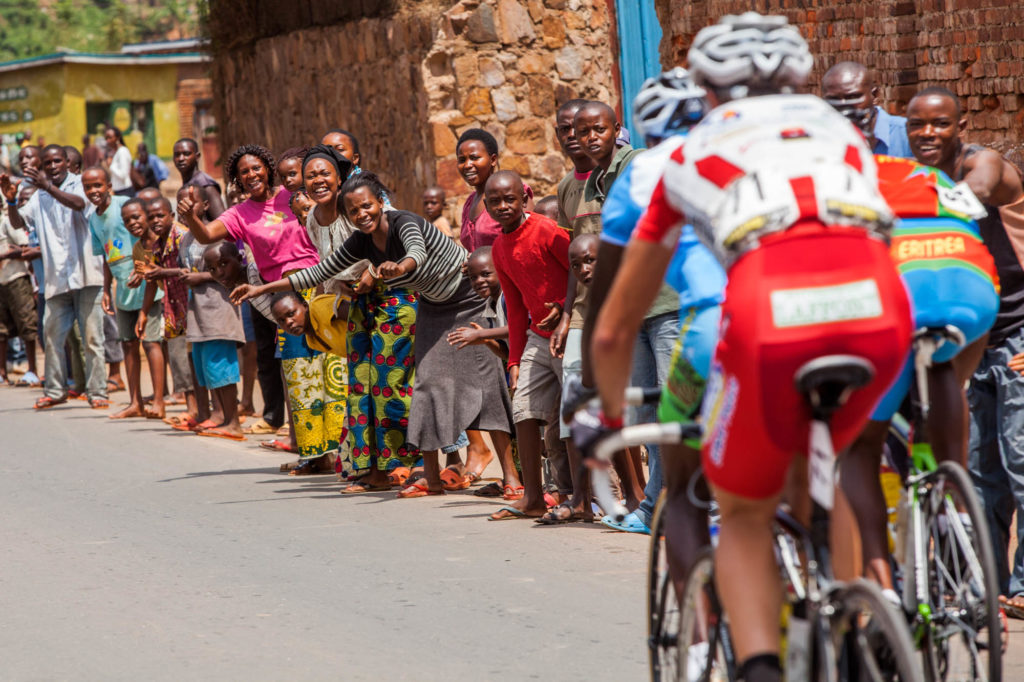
(399, 475)
(452, 480)
(418, 488)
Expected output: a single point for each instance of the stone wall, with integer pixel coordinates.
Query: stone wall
(973, 47)
(410, 78)
(506, 66)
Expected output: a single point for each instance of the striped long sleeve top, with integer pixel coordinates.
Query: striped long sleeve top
(438, 258)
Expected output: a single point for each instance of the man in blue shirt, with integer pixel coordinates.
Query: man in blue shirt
(851, 89)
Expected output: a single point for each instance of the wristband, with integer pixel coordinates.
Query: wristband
(12, 203)
(608, 423)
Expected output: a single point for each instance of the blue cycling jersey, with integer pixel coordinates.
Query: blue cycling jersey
(694, 272)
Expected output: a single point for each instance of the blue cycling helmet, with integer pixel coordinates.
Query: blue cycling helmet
(668, 105)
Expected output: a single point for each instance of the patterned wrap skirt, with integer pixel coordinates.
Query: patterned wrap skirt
(381, 370)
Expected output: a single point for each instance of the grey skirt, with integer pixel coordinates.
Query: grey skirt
(455, 389)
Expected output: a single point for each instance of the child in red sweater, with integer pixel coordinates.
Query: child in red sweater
(531, 257)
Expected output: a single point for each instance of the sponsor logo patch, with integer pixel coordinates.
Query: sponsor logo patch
(858, 300)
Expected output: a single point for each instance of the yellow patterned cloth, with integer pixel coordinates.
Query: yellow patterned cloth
(317, 386)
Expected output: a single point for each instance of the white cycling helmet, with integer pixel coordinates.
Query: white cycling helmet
(669, 104)
(751, 50)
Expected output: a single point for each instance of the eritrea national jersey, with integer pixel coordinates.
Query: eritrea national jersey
(761, 164)
(937, 227)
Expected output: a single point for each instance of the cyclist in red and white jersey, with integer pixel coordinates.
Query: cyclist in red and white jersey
(785, 190)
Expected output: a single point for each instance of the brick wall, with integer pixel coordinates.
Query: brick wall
(190, 90)
(973, 47)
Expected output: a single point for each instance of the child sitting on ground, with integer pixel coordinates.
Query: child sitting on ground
(531, 257)
(167, 274)
(133, 215)
(433, 210)
(217, 335)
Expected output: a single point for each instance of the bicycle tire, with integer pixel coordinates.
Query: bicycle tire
(662, 606)
(702, 626)
(974, 598)
(875, 647)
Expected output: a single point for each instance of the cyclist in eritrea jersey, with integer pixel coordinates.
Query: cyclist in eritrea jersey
(665, 109)
(951, 278)
(785, 189)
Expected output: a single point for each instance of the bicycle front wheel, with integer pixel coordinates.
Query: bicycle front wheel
(963, 638)
(868, 636)
(662, 605)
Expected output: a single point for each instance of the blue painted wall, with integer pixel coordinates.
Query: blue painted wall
(639, 37)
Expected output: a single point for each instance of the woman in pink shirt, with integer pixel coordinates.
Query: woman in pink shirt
(477, 156)
(279, 246)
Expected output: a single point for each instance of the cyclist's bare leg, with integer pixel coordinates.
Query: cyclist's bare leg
(947, 419)
(746, 574)
(844, 539)
(862, 487)
(686, 526)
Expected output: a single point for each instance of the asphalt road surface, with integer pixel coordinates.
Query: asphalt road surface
(134, 552)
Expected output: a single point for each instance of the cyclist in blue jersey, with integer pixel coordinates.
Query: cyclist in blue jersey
(665, 109)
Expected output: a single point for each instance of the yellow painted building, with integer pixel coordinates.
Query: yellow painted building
(62, 97)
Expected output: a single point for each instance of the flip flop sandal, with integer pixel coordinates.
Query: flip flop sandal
(451, 480)
(509, 514)
(285, 431)
(46, 403)
(218, 432)
(513, 492)
(276, 445)
(185, 423)
(313, 465)
(75, 395)
(398, 476)
(203, 425)
(418, 489)
(99, 403)
(553, 517)
(358, 488)
(1012, 610)
(259, 428)
(113, 386)
(489, 490)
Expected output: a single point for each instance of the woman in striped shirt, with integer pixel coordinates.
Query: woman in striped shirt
(452, 392)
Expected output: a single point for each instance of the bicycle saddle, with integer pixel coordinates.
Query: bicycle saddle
(827, 381)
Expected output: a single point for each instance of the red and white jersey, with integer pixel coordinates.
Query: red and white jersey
(761, 164)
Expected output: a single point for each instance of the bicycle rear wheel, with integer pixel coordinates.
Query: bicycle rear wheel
(868, 636)
(964, 639)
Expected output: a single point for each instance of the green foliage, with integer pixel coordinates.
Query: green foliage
(28, 30)
(25, 30)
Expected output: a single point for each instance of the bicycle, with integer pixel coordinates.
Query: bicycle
(950, 589)
(834, 628)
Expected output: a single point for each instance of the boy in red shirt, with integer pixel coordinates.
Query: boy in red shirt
(531, 257)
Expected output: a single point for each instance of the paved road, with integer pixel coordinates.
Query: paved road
(131, 551)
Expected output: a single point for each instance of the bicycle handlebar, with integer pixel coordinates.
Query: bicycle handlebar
(634, 396)
(657, 434)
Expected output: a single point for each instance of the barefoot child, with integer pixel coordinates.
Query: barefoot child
(531, 256)
(433, 209)
(167, 274)
(217, 334)
(133, 215)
